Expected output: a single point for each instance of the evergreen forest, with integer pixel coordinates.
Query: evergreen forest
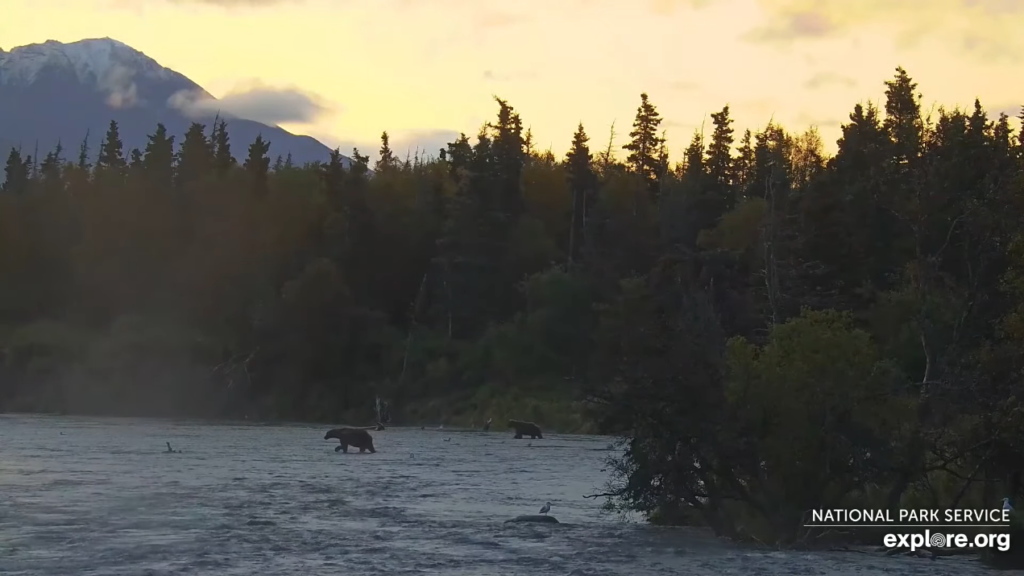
(769, 328)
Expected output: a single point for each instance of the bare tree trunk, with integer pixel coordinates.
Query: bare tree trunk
(448, 291)
(770, 270)
(412, 326)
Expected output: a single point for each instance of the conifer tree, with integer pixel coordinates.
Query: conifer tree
(257, 164)
(333, 176)
(195, 158)
(720, 164)
(30, 170)
(387, 159)
(50, 169)
(903, 116)
(111, 160)
(83, 153)
(159, 158)
(744, 166)
(582, 184)
(360, 166)
(459, 155)
(17, 173)
(645, 144)
(135, 159)
(528, 142)
(221, 142)
(694, 170)
(358, 208)
(509, 151)
(288, 161)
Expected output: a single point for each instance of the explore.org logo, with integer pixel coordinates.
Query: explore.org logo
(929, 539)
(952, 528)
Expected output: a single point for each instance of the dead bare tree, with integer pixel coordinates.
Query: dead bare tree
(230, 367)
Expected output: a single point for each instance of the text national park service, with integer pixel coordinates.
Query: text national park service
(919, 516)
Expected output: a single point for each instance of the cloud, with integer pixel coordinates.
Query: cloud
(668, 7)
(985, 28)
(481, 17)
(997, 7)
(796, 25)
(1011, 110)
(820, 122)
(238, 3)
(824, 79)
(684, 127)
(121, 89)
(261, 103)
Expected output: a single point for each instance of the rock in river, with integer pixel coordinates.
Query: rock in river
(542, 518)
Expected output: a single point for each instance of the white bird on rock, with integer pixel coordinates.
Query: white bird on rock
(546, 508)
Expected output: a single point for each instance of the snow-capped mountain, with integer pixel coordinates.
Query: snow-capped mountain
(93, 61)
(54, 92)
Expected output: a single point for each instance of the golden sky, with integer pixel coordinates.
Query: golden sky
(423, 69)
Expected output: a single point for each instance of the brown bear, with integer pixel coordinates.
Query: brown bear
(525, 429)
(351, 437)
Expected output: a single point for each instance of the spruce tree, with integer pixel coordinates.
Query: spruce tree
(645, 144)
(719, 163)
(221, 141)
(903, 116)
(744, 165)
(458, 155)
(195, 158)
(387, 159)
(111, 160)
(17, 173)
(50, 169)
(83, 153)
(332, 174)
(257, 164)
(528, 142)
(583, 186)
(333, 177)
(360, 166)
(509, 156)
(30, 167)
(694, 170)
(159, 158)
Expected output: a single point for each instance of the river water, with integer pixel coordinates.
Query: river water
(89, 496)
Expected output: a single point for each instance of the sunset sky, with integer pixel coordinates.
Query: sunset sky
(426, 69)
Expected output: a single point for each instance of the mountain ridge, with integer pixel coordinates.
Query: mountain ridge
(54, 92)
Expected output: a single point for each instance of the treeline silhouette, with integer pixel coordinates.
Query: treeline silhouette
(772, 330)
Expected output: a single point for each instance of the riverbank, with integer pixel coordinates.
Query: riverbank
(552, 413)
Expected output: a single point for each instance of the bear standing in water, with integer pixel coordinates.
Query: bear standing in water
(351, 437)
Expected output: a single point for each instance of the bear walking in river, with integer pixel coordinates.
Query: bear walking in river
(351, 437)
